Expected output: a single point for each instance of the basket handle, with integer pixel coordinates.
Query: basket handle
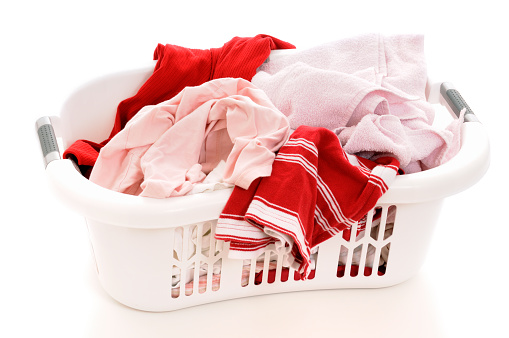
(47, 140)
(456, 102)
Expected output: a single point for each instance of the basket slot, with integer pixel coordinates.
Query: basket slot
(252, 272)
(210, 276)
(246, 267)
(263, 269)
(383, 221)
(376, 230)
(353, 272)
(384, 255)
(266, 262)
(362, 258)
(365, 254)
(365, 224)
(279, 269)
(197, 259)
(268, 268)
(370, 259)
(216, 280)
(343, 252)
(313, 271)
(203, 285)
(176, 291)
(388, 230)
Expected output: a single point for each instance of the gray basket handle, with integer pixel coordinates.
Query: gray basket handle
(456, 102)
(47, 139)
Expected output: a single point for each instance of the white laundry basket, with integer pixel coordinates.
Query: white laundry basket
(133, 238)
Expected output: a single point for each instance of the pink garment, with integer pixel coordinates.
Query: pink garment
(165, 149)
(370, 90)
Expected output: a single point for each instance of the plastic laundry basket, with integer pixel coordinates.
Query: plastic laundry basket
(133, 238)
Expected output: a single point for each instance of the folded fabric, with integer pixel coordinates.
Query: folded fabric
(176, 68)
(315, 191)
(416, 144)
(167, 148)
(370, 90)
(214, 181)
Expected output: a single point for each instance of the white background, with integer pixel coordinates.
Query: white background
(48, 285)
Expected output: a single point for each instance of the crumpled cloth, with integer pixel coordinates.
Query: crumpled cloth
(370, 90)
(176, 68)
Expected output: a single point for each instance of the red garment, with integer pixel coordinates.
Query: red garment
(176, 68)
(315, 191)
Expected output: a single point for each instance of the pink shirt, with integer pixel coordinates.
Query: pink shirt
(167, 148)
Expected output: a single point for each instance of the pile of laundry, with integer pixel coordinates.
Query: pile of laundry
(309, 141)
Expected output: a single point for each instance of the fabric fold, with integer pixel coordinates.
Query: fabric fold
(166, 149)
(176, 68)
(352, 86)
(315, 191)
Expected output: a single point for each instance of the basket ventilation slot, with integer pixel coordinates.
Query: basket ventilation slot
(363, 255)
(197, 260)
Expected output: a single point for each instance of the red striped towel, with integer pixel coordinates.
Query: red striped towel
(315, 191)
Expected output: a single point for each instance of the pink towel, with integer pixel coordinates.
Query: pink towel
(370, 90)
(413, 142)
(165, 149)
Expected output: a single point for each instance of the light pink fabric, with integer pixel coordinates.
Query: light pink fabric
(370, 90)
(167, 148)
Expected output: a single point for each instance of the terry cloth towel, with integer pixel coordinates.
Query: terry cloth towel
(176, 68)
(315, 191)
(167, 148)
(370, 89)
